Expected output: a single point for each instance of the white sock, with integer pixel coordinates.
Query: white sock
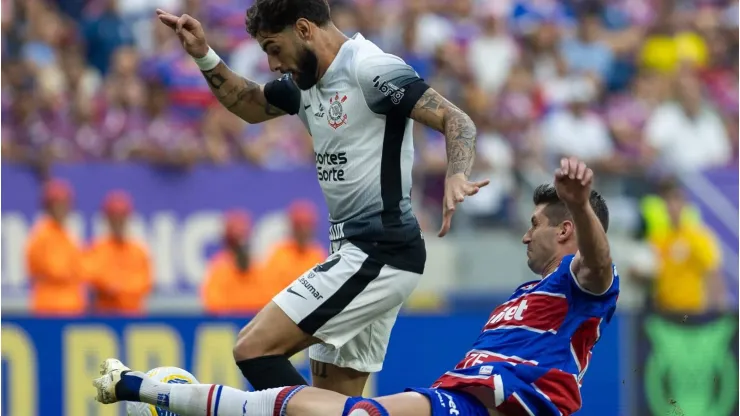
(216, 400)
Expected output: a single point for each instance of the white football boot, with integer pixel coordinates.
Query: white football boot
(110, 370)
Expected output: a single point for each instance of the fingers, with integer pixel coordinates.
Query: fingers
(482, 183)
(446, 221)
(573, 168)
(168, 19)
(588, 177)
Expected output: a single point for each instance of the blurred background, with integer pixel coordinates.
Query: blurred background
(141, 220)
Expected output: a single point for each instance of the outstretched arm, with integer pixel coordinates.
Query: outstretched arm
(250, 101)
(243, 97)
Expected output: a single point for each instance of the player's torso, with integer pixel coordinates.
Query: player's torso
(546, 323)
(362, 171)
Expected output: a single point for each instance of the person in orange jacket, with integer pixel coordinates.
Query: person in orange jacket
(54, 258)
(289, 259)
(232, 284)
(119, 267)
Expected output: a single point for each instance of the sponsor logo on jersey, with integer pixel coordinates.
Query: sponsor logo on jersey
(536, 311)
(336, 116)
(389, 89)
(330, 166)
(312, 290)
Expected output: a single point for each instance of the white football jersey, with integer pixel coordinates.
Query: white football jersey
(358, 117)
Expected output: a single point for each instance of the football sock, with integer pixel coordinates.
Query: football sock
(270, 371)
(204, 399)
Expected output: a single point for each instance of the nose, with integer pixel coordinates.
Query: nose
(526, 238)
(273, 63)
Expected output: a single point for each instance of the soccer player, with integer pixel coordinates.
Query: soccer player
(358, 103)
(529, 359)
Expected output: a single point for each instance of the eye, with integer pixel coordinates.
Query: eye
(274, 51)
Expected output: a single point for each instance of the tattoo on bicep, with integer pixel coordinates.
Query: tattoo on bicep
(318, 369)
(430, 101)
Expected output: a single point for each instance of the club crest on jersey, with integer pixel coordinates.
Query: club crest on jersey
(336, 116)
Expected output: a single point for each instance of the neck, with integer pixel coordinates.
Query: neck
(553, 264)
(331, 40)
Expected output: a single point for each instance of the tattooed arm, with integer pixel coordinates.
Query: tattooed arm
(241, 96)
(436, 112)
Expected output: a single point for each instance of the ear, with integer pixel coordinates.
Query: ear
(566, 231)
(303, 29)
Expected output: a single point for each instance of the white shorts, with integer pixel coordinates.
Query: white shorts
(350, 302)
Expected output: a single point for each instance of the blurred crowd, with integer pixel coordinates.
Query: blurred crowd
(638, 88)
(112, 273)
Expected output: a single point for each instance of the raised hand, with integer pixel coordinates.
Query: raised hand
(189, 30)
(573, 181)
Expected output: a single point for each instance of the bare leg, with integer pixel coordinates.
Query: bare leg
(271, 332)
(265, 345)
(341, 380)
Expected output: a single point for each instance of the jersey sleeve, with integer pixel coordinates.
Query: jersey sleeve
(283, 94)
(578, 289)
(585, 301)
(389, 85)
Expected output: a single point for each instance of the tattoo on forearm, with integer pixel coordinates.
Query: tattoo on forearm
(459, 130)
(318, 369)
(460, 136)
(237, 94)
(215, 80)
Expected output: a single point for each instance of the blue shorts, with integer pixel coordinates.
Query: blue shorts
(452, 403)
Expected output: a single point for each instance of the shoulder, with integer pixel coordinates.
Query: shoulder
(566, 279)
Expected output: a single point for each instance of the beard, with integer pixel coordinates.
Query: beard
(308, 65)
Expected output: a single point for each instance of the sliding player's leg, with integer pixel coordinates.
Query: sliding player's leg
(120, 384)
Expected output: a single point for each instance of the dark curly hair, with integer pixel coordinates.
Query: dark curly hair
(555, 209)
(272, 16)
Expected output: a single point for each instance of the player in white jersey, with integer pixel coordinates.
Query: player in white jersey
(358, 103)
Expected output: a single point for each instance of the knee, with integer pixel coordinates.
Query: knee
(364, 407)
(255, 342)
(248, 346)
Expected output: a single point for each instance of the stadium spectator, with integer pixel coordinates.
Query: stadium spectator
(576, 130)
(585, 54)
(685, 278)
(104, 31)
(669, 47)
(232, 284)
(298, 253)
(118, 266)
(688, 134)
(495, 40)
(55, 259)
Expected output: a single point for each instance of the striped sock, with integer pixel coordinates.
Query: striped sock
(216, 400)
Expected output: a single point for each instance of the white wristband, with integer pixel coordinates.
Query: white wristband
(209, 61)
